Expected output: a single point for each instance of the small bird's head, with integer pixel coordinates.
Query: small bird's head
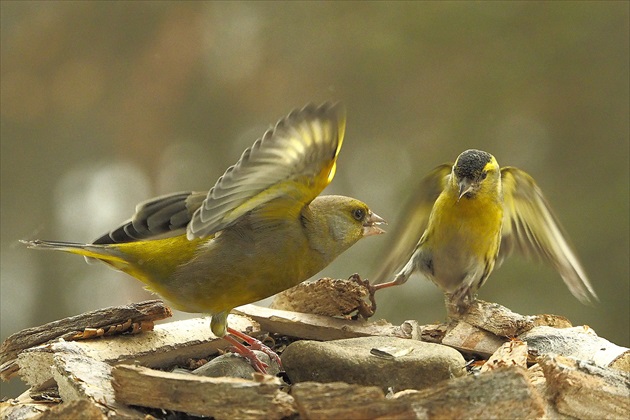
(341, 221)
(475, 170)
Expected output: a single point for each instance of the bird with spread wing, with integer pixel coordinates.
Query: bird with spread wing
(261, 229)
(466, 218)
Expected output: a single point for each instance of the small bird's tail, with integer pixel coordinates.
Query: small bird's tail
(104, 253)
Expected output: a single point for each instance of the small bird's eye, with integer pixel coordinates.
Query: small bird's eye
(484, 175)
(358, 214)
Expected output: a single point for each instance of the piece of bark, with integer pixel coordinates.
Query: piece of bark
(581, 343)
(319, 327)
(78, 409)
(538, 381)
(433, 333)
(584, 390)
(500, 393)
(23, 407)
(116, 319)
(328, 297)
(339, 400)
(221, 398)
(502, 322)
(81, 378)
(511, 353)
(472, 340)
(169, 344)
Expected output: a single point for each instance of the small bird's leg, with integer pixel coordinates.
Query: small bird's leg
(458, 302)
(402, 276)
(247, 353)
(399, 279)
(253, 345)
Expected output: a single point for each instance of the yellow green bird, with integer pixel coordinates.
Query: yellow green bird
(469, 216)
(261, 228)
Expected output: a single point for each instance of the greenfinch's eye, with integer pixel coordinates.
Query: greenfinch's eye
(358, 214)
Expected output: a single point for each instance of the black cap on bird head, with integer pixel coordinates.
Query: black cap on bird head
(469, 171)
(470, 164)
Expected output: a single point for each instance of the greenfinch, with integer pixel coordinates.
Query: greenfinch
(261, 228)
(470, 216)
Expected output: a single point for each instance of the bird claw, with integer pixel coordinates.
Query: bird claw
(258, 345)
(248, 352)
(459, 302)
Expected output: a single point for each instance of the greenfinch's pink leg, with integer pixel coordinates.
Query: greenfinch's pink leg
(247, 353)
(255, 345)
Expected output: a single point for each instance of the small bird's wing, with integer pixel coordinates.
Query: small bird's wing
(159, 217)
(412, 221)
(295, 160)
(530, 227)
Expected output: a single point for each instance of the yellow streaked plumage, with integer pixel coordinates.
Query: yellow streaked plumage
(469, 216)
(259, 230)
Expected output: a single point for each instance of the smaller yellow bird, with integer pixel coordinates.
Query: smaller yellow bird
(469, 217)
(260, 230)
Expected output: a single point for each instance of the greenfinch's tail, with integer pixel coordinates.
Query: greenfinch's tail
(104, 253)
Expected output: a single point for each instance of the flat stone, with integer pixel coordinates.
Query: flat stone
(386, 362)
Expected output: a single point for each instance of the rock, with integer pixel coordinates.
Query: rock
(235, 366)
(386, 362)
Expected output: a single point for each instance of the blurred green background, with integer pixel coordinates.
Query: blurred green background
(107, 104)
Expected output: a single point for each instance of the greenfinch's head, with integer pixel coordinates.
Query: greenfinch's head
(474, 171)
(341, 221)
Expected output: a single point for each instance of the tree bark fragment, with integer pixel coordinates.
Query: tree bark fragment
(168, 344)
(319, 327)
(221, 398)
(106, 320)
(583, 390)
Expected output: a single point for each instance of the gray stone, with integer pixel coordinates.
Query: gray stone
(235, 366)
(386, 362)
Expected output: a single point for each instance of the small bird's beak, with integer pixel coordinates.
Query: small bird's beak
(370, 225)
(465, 186)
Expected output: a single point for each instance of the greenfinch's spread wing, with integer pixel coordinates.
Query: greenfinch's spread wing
(295, 161)
(413, 221)
(530, 227)
(159, 217)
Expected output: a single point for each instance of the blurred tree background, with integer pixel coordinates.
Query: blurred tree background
(105, 104)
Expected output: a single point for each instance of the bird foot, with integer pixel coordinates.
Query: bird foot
(458, 303)
(247, 353)
(254, 344)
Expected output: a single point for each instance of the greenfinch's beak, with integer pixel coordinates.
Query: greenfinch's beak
(465, 186)
(370, 225)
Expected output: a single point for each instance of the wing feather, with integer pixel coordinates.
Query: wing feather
(412, 222)
(295, 159)
(530, 227)
(159, 217)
